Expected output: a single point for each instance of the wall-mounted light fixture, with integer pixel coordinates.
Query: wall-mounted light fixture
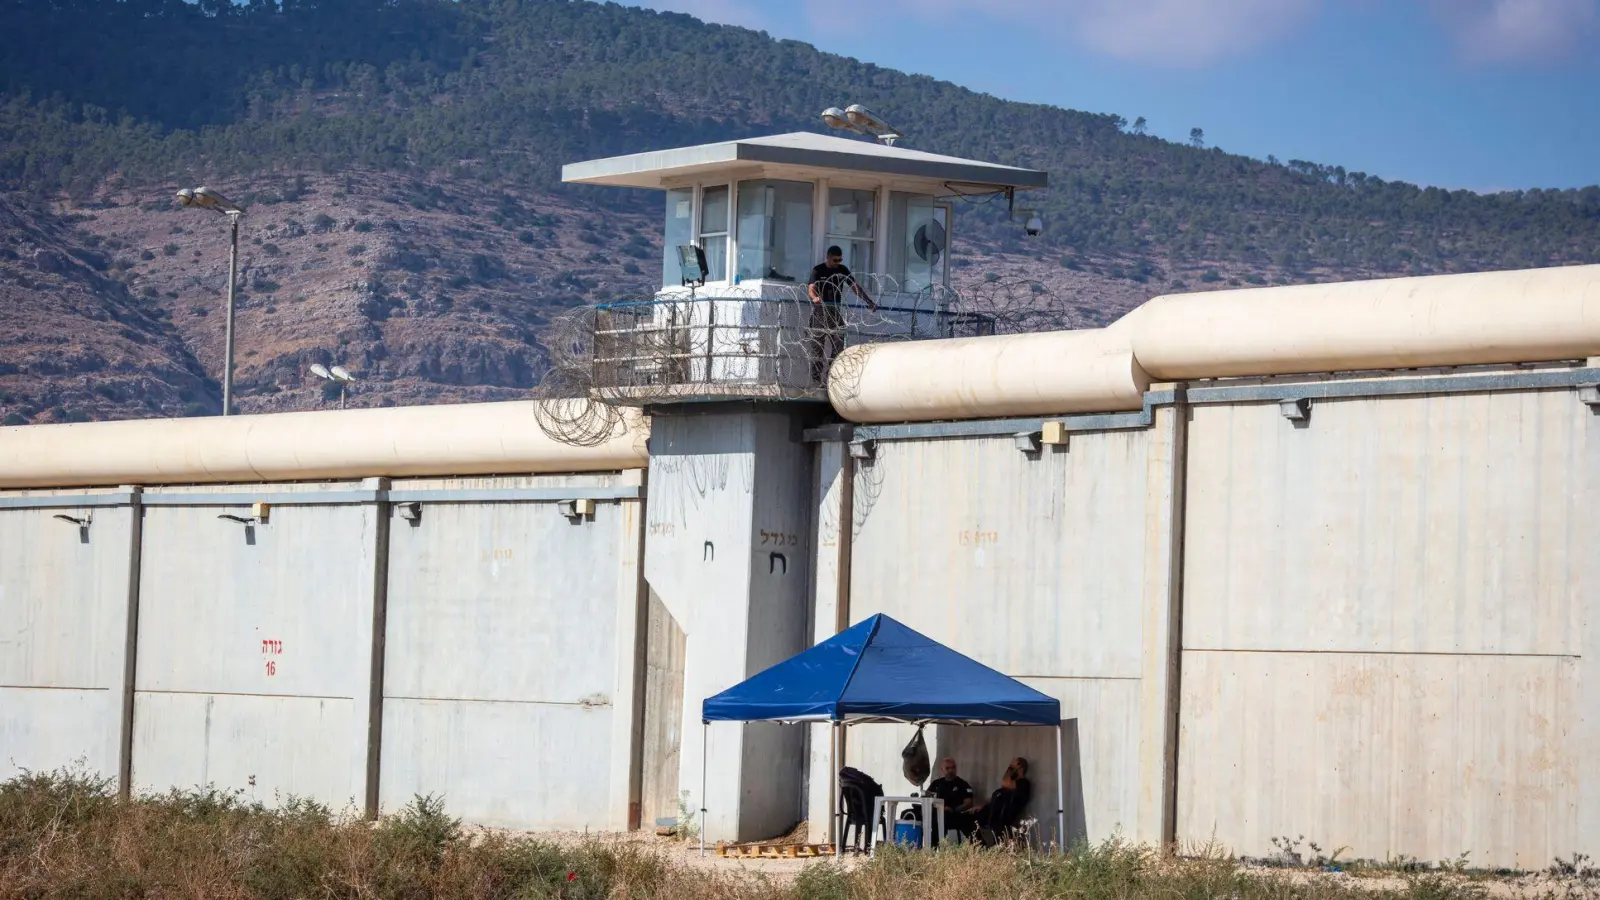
(1297, 410)
(259, 514)
(1589, 395)
(864, 449)
(577, 510)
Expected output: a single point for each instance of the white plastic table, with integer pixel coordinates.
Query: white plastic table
(932, 814)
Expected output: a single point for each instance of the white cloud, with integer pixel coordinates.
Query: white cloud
(1520, 30)
(1162, 32)
(1184, 32)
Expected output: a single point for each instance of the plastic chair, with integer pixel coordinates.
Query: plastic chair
(855, 811)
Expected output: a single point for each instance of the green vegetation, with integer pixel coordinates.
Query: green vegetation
(65, 835)
(507, 90)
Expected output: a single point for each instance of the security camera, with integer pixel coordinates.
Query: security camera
(1035, 225)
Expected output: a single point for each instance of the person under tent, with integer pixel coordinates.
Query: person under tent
(957, 796)
(1005, 807)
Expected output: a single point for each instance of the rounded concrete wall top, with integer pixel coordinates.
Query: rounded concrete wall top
(466, 439)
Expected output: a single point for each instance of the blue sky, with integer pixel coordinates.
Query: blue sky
(1480, 94)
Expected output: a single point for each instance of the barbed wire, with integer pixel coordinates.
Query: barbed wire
(763, 340)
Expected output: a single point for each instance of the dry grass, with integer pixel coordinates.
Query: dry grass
(66, 836)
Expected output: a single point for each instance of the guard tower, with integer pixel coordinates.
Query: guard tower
(727, 358)
(744, 223)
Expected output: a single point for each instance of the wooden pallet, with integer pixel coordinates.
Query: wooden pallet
(774, 851)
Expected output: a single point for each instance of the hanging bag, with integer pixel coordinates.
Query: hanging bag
(914, 764)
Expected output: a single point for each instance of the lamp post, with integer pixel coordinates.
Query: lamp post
(206, 198)
(338, 374)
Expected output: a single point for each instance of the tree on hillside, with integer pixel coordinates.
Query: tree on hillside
(1197, 137)
(1139, 126)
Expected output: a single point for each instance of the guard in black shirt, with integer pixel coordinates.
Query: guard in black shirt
(957, 797)
(1006, 805)
(825, 338)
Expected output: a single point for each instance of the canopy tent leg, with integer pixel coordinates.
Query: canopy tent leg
(835, 763)
(1061, 793)
(705, 752)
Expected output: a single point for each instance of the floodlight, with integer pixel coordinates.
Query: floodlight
(861, 120)
(81, 523)
(186, 197)
(861, 117)
(337, 374)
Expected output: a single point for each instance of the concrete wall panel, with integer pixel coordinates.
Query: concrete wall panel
(504, 634)
(502, 764)
(1444, 524)
(663, 716)
(270, 747)
(270, 629)
(1032, 566)
(1384, 625)
(63, 631)
(1386, 754)
(44, 729)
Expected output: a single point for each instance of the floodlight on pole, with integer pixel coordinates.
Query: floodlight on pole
(337, 374)
(206, 198)
(859, 119)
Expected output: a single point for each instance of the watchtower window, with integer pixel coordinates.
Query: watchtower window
(775, 230)
(851, 215)
(679, 231)
(714, 209)
(916, 242)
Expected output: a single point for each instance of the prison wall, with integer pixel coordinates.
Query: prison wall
(1387, 638)
(351, 641)
(253, 654)
(65, 569)
(1357, 609)
(1033, 562)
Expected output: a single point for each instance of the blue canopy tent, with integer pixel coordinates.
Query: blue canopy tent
(881, 671)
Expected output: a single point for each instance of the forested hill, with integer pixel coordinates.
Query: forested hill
(505, 91)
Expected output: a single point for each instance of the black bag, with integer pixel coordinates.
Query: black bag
(914, 764)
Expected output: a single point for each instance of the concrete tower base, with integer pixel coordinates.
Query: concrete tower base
(728, 554)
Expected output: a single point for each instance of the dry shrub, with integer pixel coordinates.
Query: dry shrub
(65, 835)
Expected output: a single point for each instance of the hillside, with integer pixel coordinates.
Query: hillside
(76, 343)
(400, 160)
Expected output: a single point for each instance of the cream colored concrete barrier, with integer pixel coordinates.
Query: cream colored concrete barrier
(466, 439)
(1532, 315)
(988, 377)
